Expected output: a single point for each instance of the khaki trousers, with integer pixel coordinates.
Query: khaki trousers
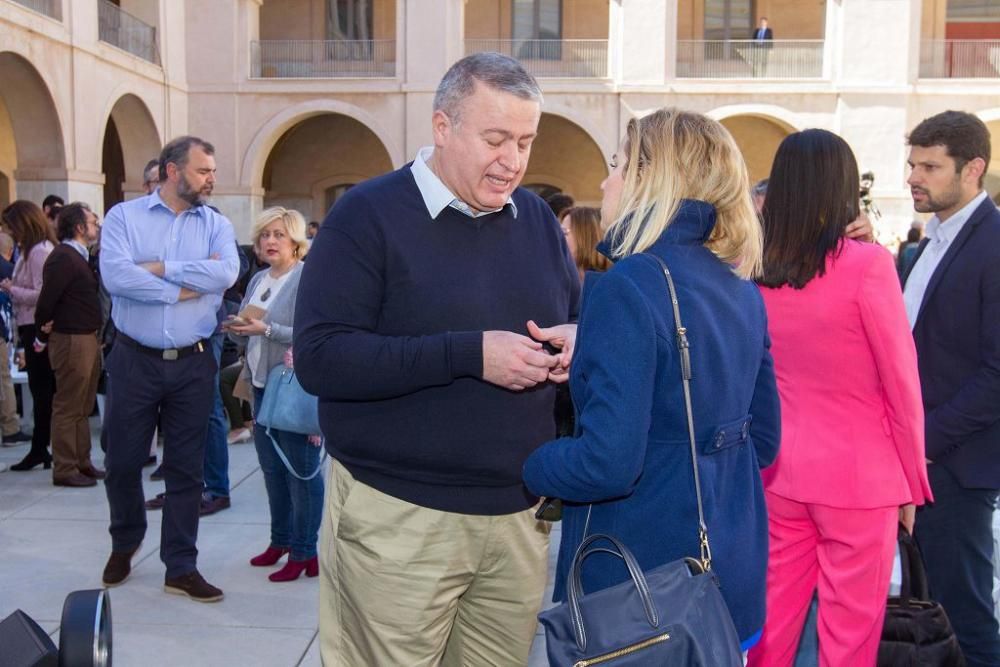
(76, 362)
(402, 584)
(9, 421)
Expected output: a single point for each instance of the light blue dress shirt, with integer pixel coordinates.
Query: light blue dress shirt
(145, 307)
(437, 197)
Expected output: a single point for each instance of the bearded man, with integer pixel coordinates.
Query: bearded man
(166, 260)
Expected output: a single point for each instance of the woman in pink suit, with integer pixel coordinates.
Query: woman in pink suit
(851, 463)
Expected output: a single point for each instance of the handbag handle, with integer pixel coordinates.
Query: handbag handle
(683, 347)
(576, 589)
(913, 585)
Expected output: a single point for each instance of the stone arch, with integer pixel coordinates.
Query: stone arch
(140, 136)
(757, 132)
(565, 155)
(261, 146)
(319, 151)
(34, 134)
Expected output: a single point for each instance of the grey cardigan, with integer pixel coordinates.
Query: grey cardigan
(280, 314)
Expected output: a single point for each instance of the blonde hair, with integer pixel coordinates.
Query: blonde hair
(672, 155)
(295, 225)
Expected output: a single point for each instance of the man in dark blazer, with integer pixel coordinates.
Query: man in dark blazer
(762, 41)
(952, 296)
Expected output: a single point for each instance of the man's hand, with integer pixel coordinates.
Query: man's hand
(861, 229)
(562, 337)
(187, 294)
(156, 268)
(514, 361)
(47, 327)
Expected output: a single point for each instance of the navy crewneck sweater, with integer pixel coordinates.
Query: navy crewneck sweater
(389, 322)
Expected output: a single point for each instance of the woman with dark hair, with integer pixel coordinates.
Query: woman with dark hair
(851, 464)
(35, 240)
(582, 227)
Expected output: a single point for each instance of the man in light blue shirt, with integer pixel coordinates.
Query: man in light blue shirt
(166, 260)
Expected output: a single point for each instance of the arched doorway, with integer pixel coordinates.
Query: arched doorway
(758, 138)
(32, 152)
(130, 141)
(318, 159)
(565, 158)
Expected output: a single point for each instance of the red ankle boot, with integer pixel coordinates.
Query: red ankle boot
(270, 556)
(294, 568)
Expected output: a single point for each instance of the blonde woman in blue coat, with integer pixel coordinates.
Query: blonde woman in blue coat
(679, 190)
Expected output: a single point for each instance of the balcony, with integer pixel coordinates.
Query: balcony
(121, 29)
(566, 58)
(51, 8)
(317, 59)
(960, 59)
(750, 59)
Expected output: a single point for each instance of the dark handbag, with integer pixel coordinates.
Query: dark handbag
(287, 407)
(916, 630)
(672, 615)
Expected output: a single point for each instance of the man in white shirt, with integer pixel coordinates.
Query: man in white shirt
(952, 296)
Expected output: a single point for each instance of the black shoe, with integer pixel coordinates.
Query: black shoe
(157, 475)
(194, 586)
(32, 460)
(14, 438)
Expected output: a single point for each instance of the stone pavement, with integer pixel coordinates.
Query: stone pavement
(55, 540)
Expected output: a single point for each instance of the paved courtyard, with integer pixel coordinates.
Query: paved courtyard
(55, 540)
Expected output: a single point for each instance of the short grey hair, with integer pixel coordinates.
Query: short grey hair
(177, 152)
(495, 70)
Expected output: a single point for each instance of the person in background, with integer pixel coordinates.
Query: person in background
(51, 205)
(759, 193)
(582, 227)
(908, 248)
(10, 423)
(296, 504)
(559, 202)
(67, 321)
(33, 234)
(679, 191)
(851, 464)
(312, 230)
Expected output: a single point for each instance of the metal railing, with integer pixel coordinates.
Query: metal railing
(750, 59)
(960, 59)
(571, 58)
(121, 29)
(316, 59)
(51, 8)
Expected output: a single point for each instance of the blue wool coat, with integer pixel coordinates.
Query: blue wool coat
(630, 455)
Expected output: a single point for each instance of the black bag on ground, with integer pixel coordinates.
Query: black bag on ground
(917, 632)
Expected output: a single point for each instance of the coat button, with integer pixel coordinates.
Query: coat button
(720, 439)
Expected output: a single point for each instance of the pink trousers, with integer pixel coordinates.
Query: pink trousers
(844, 554)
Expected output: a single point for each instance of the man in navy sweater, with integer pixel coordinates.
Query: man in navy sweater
(412, 326)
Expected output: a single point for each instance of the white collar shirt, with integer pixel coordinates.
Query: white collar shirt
(939, 238)
(437, 197)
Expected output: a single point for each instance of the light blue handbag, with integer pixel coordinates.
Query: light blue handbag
(287, 407)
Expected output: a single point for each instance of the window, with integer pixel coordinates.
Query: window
(348, 19)
(973, 10)
(335, 192)
(728, 19)
(536, 20)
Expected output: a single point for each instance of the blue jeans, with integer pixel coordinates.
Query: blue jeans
(216, 472)
(296, 506)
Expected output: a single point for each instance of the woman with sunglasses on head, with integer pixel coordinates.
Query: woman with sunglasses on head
(852, 435)
(679, 192)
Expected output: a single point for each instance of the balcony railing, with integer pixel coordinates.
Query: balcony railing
(960, 59)
(121, 29)
(571, 58)
(51, 8)
(313, 59)
(750, 59)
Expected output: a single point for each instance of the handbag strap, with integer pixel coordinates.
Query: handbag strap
(913, 583)
(288, 464)
(683, 348)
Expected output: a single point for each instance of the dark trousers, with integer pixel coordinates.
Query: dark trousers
(140, 387)
(42, 384)
(956, 538)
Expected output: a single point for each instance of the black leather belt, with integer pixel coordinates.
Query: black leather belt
(172, 354)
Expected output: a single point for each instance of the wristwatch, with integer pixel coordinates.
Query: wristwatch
(267, 331)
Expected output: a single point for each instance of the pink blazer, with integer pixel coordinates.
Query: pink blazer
(852, 419)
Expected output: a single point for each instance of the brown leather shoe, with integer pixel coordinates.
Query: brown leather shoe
(119, 567)
(156, 503)
(76, 479)
(93, 473)
(194, 586)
